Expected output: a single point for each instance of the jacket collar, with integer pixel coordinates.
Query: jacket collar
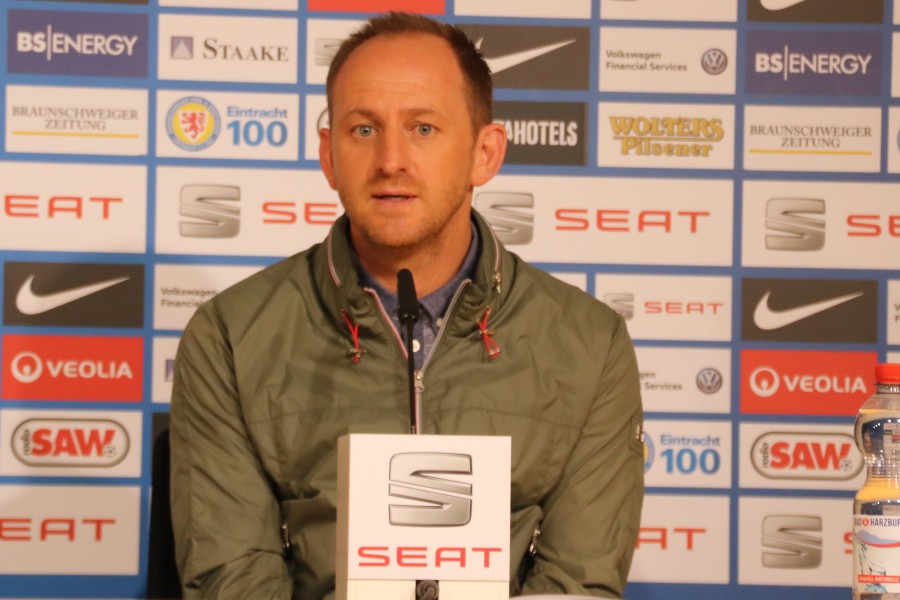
(340, 290)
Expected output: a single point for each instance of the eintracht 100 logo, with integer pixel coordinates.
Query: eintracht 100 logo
(193, 124)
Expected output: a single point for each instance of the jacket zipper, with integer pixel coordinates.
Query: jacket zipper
(419, 376)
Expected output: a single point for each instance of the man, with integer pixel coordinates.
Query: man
(272, 371)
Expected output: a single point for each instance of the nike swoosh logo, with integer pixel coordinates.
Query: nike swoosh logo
(779, 4)
(768, 319)
(508, 61)
(30, 303)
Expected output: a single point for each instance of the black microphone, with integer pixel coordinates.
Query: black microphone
(408, 312)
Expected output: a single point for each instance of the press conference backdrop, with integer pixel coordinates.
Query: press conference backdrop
(721, 172)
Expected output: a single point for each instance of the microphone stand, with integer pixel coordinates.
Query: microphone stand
(408, 313)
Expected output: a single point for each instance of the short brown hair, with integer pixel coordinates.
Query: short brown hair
(475, 70)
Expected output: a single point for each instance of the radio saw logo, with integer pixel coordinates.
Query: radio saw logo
(46, 442)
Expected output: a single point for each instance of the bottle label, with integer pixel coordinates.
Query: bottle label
(876, 553)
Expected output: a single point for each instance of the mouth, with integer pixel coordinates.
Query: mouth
(393, 197)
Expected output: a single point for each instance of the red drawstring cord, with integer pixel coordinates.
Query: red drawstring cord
(490, 344)
(356, 352)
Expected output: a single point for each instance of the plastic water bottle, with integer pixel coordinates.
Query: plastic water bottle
(876, 508)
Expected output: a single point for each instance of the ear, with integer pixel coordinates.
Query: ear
(490, 150)
(326, 158)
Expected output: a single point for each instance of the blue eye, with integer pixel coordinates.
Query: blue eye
(365, 131)
(424, 129)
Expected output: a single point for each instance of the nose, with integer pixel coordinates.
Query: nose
(393, 151)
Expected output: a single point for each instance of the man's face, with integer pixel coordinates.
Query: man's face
(401, 151)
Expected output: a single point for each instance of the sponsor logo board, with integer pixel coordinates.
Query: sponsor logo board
(667, 60)
(578, 280)
(893, 357)
(73, 207)
(73, 294)
(674, 136)
(893, 139)
(685, 380)
(164, 349)
(72, 368)
(544, 133)
(257, 4)
(526, 57)
(227, 125)
(820, 224)
(794, 541)
(800, 457)
(807, 138)
(316, 117)
(323, 37)
(532, 57)
(427, 7)
(670, 307)
(810, 310)
(77, 43)
(613, 220)
(794, 382)
(893, 312)
(664, 10)
(220, 48)
(816, 11)
(806, 62)
(68, 120)
(572, 9)
(70, 529)
(247, 212)
(71, 444)
(694, 454)
(181, 289)
(678, 533)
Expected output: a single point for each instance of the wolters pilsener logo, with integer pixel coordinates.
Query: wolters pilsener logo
(193, 124)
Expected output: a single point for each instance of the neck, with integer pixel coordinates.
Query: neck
(432, 265)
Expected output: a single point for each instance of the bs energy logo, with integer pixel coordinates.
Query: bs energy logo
(77, 43)
(801, 62)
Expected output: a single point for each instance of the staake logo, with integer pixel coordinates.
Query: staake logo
(72, 368)
(816, 11)
(788, 536)
(193, 124)
(544, 133)
(214, 211)
(810, 310)
(77, 43)
(44, 442)
(800, 62)
(510, 215)
(805, 382)
(182, 47)
(531, 57)
(797, 230)
(73, 294)
(806, 456)
(442, 502)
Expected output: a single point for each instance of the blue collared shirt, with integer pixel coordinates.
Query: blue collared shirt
(433, 306)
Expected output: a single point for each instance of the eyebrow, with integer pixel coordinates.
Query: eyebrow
(412, 112)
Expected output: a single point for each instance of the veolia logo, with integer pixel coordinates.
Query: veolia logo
(27, 367)
(764, 382)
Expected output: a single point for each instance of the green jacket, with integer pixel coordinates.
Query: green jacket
(266, 382)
